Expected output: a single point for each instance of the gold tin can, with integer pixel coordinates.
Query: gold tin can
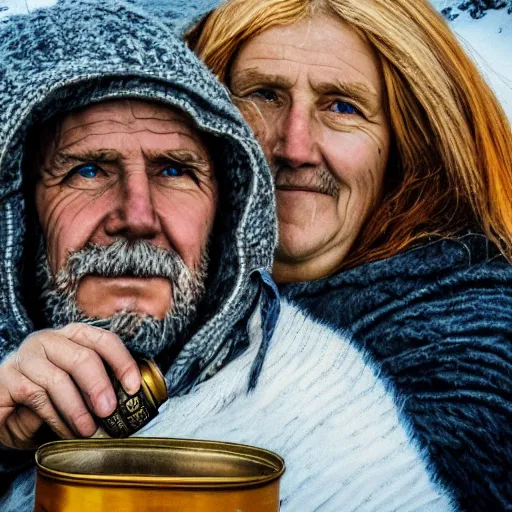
(135, 411)
(153, 474)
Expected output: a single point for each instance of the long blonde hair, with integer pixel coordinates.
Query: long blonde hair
(451, 166)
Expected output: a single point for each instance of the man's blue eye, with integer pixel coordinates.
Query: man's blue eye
(88, 171)
(342, 107)
(173, 172)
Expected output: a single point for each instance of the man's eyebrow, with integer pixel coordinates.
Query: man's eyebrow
(98, 155)
(62, 159)
(180, 156)
(253, 76)
(367, 96)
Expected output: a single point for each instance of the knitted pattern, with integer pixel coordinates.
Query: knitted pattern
(437, 320)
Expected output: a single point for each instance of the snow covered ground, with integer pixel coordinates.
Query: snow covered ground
(22, 6)
(489, 42)
(488, 39)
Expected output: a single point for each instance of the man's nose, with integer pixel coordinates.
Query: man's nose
(134, 214)
(297, 142)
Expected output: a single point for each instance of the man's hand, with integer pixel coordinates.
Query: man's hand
(58, 377)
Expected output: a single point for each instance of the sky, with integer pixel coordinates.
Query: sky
(488, 40)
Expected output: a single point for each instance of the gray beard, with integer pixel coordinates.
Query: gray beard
(140, 332)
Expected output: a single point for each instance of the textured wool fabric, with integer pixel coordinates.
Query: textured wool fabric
(320, 405)
(437, 321)
(81, 52)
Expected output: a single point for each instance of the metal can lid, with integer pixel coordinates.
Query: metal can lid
(154, 380)
(157, 462)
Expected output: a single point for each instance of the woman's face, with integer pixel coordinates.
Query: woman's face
(313, 93)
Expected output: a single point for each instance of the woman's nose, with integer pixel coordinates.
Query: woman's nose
(297, 143)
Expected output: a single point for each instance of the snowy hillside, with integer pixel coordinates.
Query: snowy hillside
(485, 30)
(483, 26)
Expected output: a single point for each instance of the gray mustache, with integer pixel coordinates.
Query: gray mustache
(317, 180)
(137, 258)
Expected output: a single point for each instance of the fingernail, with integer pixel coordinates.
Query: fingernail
(106, 404)
(131, 382)
(100, 434)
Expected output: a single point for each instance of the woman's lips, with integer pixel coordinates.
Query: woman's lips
(298, 188)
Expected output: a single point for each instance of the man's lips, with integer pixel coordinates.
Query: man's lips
(102, 297)
(125, 283)
(127, 276)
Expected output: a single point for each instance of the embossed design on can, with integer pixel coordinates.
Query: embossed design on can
(135, 411)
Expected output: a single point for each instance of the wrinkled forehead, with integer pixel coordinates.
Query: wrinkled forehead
(123, 117)
(126, 116)
(323, 46)
(127, 111)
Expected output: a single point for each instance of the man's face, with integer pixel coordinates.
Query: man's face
(126, 170)
(313, 93)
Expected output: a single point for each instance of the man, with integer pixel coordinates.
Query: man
(126, 200)
(133, 201)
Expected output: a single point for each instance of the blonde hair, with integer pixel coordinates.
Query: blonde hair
(451, 166)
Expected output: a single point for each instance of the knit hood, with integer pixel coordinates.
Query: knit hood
(81, 52)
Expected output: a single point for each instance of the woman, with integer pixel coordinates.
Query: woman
(421, 276)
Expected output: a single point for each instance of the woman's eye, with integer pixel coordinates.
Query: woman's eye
(265, 94)
(173, 172)
(342, 107)
(87, 171)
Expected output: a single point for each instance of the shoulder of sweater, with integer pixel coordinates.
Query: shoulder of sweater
(317, 373)
(469, 255)
(441, 282)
